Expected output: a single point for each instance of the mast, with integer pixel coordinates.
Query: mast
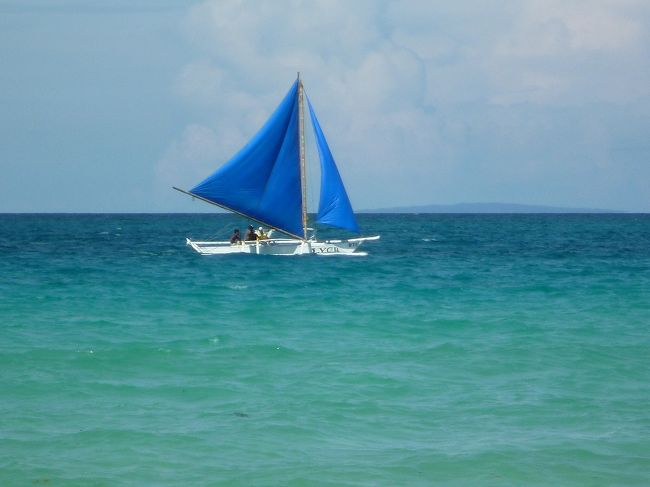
(301, 138)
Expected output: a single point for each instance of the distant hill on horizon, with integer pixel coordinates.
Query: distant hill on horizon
(487, 208)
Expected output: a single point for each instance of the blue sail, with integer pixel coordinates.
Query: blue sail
(262, 181)
(334, 207)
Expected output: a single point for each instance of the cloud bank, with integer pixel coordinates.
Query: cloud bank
(540, 102)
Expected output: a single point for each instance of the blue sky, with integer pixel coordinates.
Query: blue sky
(105, 105)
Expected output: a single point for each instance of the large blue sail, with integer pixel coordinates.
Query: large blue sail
(262, 180)
(334, 207)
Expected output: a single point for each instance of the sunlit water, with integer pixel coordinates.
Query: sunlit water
(463, 350)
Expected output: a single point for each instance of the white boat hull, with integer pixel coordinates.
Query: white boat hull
(284, 246)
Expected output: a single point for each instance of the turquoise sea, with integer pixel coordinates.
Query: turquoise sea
(464, 350)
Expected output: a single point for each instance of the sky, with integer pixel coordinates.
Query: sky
(105, 105)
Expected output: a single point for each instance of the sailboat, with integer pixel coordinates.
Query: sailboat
(266, 183)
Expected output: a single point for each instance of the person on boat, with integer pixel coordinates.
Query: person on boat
(235, 236)
(261, 234)
(250, 234)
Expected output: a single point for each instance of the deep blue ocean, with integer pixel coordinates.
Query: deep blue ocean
(464, 350)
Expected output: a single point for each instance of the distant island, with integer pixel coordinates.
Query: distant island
(487, 208)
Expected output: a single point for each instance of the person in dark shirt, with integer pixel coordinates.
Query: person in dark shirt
(250, 234)
(235, 237)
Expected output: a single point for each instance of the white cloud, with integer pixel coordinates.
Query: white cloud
(188, 159)
(572, 52)
(591, 26)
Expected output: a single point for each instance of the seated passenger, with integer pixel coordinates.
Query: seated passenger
(250, 234)
(235, 237)
(261, 234)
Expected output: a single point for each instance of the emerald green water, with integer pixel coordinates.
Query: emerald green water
(463, 350)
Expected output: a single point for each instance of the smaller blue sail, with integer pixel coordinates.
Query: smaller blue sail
(334, 207)
(262, 181)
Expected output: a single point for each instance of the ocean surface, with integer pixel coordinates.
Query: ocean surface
(464, 350)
